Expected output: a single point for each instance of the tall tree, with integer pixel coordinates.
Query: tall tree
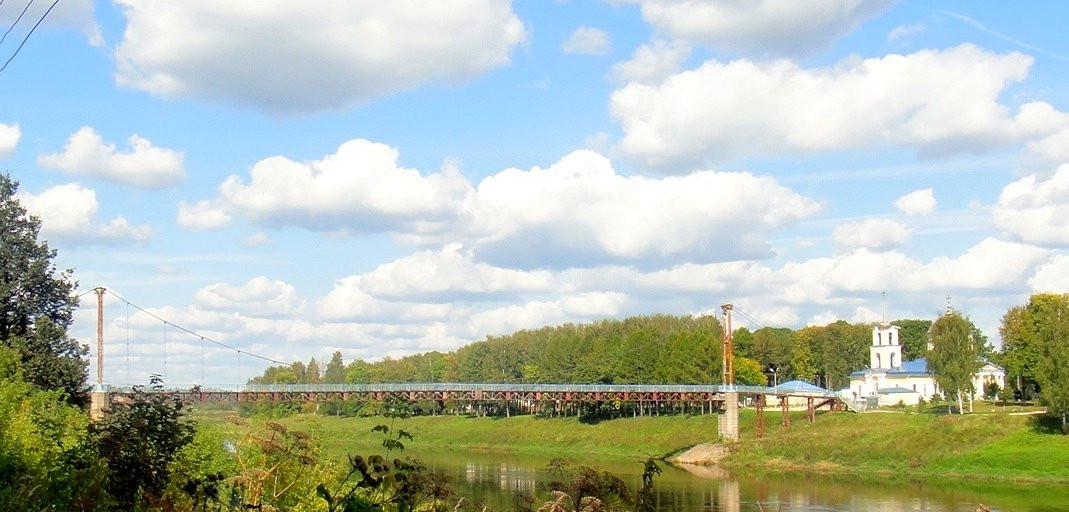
(840, 348)
(37, 302)
(1020, 340)
(803, 364)
(913, 336)
(335, 371)
(312, 372)
(1052, 370)
(954, 358)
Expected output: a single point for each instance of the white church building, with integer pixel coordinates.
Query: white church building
(891, 380)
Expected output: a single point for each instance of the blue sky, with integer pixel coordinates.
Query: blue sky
(394, 177)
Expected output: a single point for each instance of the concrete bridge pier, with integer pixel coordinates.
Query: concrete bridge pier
(99, 403)
(728, 424)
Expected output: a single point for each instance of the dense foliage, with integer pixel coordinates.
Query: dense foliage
(1035, 343)
(37, 303)
(955, 356)
(655, 349)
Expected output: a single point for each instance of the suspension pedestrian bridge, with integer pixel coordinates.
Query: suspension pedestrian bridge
(560, 398)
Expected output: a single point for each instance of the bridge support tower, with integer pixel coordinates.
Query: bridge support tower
(99, 403)
(728, 424)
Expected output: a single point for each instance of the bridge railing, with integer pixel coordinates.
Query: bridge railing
(486, 387)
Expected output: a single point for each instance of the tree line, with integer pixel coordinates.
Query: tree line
(652, 349)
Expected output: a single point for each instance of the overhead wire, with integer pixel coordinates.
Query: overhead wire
(28, 34)
(750, 318)
(194, 333)
(16, 22)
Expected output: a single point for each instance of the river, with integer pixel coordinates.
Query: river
(499, 481)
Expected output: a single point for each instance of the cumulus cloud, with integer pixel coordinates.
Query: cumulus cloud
(509, 319)
(651, 63)
(302, 57)
(1035, 209)
(68, 212)
(763, 27)
(1053, 149)
(360, 188)
(202, 215)
(76, 14)
(990, 264)
(933, 101)
(876, 234)
(142, 165)
(579, 211)
(259, 296)
(448, 272)
(349, 302)
(9, 139)
(918, 202)
(1052, 276)
(587, 41)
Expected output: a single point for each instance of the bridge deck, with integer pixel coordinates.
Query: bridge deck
(475, 392)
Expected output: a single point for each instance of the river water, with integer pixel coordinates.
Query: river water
(499, 482)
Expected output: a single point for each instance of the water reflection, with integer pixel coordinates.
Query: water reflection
(504, 482)
(510, 478)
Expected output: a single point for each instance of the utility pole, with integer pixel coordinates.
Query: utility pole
(728, 355)
(100, 335)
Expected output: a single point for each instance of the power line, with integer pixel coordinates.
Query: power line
(28, 34)
(16, 22)
(191, 332)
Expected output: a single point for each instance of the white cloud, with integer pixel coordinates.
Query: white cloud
(576, 212)
(258, 297)
(451, 271)
(651, 63)
(509, 319)
(918, 202)
(1053, 149)
(256, 240)
(77, 14)
(783, 27)
(1052, 276)
(300, 57)
(933, 101)
(204, 214)
(876, 234)
(359, 188)
(1035, 209)
(143, 165)
(823, 318)
(587, 41)
(68, 212)
(9, 139)
(349, 302)
(990, 264)
(580, 212)
(904, 31)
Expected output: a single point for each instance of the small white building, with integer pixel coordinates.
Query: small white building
(893, 380)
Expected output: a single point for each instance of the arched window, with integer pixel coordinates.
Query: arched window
(878, 363)
(893, 361)
(879, 338)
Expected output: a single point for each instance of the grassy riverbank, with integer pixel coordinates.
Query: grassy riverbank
(995, 445)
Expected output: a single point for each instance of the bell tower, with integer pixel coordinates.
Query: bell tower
(885, 352)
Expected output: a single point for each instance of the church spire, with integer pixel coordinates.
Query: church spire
(884, 296)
